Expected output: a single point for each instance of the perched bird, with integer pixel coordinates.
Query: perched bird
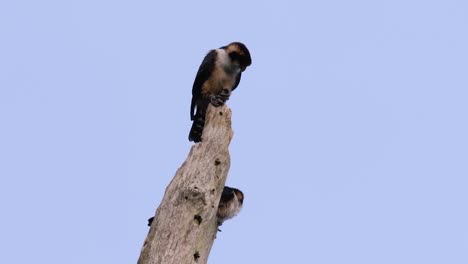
(219, 74)
(229, 206)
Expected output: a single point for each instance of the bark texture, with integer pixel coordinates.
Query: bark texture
(185, 226)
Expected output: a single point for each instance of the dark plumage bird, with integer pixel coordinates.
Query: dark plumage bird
(219, 74)
(230, 204)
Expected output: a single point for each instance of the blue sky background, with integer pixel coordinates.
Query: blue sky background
(350, 127)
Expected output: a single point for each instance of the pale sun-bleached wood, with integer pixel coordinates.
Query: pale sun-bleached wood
(177, 236)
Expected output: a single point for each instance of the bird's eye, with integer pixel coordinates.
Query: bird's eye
(234, 56)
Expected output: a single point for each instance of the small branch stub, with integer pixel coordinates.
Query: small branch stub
(185, 224)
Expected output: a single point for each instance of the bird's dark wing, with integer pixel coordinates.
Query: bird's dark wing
(237, 81)
(227, 195)
(204, 72)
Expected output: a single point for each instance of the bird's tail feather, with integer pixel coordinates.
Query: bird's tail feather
(198, 123)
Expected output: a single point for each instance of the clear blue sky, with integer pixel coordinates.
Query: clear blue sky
(351, 128)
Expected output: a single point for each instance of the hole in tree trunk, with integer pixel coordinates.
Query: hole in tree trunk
(198, 219)
(196, 256)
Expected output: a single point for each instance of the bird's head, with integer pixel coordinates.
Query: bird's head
(239, 54)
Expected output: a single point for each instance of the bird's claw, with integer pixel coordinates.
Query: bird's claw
(221, 98)
(217, 100)
(225, 94)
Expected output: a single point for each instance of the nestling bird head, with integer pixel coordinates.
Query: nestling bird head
(239, 54)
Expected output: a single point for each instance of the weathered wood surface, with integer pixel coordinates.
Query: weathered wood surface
(185, 226)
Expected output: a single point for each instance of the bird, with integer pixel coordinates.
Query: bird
(218, 75)
(230, 204)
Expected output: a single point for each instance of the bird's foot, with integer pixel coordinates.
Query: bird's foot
(221, 98)
(217, 100)
(225, 94)
(219, 224)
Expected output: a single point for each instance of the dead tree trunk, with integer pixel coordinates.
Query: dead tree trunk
(185, 225)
